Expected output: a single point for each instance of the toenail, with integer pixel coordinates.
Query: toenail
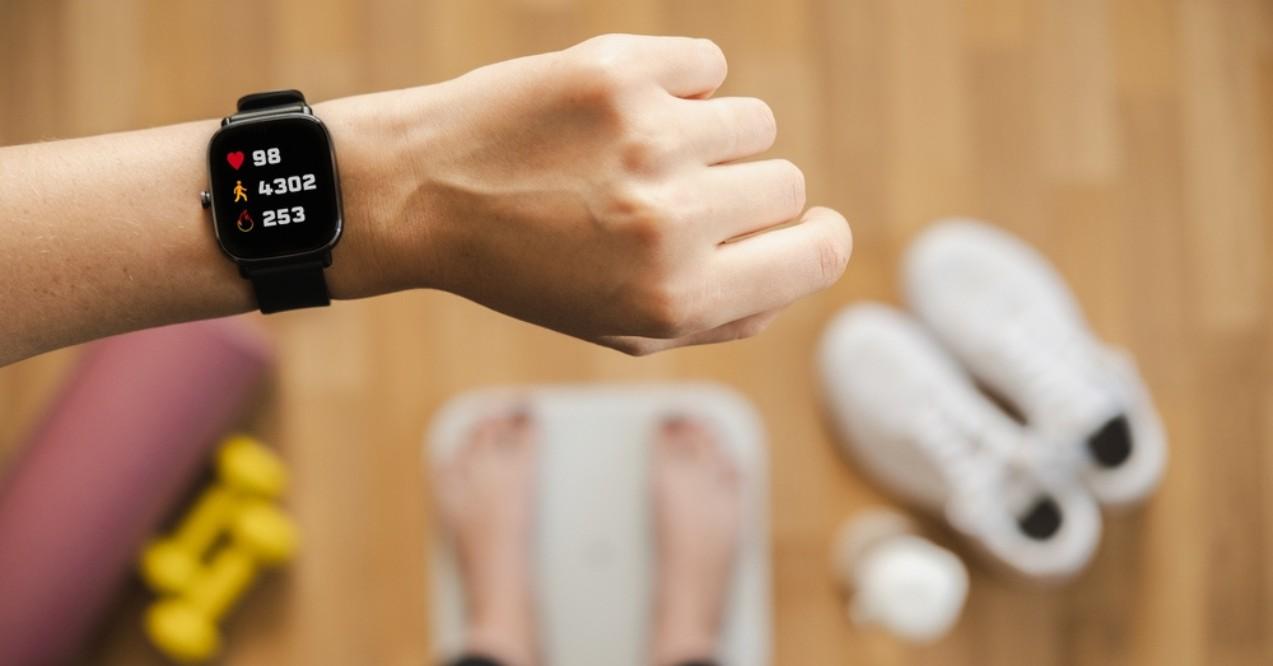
(520, 416)
(675, 422)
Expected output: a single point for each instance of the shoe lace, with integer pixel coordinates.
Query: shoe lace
(1048, 362)
(973, 460)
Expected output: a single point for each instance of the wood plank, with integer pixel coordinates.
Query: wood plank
(1132, 140)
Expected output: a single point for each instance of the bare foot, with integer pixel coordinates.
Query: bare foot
(697, 516)
(486, 497)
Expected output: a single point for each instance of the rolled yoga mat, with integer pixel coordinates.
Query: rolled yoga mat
(129, 432)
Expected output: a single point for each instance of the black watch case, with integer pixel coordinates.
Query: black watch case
(275, 189)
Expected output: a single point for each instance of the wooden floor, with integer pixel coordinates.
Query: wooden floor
(1132, 140)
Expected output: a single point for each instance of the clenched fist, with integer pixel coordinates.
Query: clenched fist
(601, 191)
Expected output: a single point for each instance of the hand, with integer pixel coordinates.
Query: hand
(599, 191)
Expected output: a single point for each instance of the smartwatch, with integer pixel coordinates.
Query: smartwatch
(274, 192)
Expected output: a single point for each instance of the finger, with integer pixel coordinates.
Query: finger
(735, 330)
(731, 200)
(685, 66)
(772, 269)
(727, 128)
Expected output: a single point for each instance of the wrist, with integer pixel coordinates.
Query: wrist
(374, 138)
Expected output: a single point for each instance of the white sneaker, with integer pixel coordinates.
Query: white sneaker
(1003, 311)
(916, 422)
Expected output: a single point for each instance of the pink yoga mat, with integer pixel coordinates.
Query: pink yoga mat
(130, 431)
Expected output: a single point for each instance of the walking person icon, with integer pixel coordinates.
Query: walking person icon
(240, 192)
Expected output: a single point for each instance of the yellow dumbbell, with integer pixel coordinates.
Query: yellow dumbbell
(185, 627)
(245, 467)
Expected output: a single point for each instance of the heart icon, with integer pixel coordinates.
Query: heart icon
(235, 159)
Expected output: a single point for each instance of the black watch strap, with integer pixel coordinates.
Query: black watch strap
(271, 99)
(291, 285)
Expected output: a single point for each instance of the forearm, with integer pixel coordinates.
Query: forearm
(105, 234)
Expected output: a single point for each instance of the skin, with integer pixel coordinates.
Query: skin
(600, 191)
(697, 495)
(485, 497)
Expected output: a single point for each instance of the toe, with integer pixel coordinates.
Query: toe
(483, 435)
(519, 436)
(728, 471)
(704, 444)
(673, 440)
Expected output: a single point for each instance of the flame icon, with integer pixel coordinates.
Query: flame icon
(245, 222)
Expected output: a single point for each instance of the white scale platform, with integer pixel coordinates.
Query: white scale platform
(595, 553)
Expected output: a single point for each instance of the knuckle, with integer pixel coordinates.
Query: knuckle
(753, 327)
(763, 121)
(632, 346)
(732, 130)
(602, 80)
(625, 203)
(665, 314)
(715, 58)
(597, 82)
(833, 258)
(795, 191)
(643, 151)
(610, 41)
(648, 236)
(600, 73)
(637, 214)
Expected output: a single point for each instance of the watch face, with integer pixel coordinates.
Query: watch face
(274, 189)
